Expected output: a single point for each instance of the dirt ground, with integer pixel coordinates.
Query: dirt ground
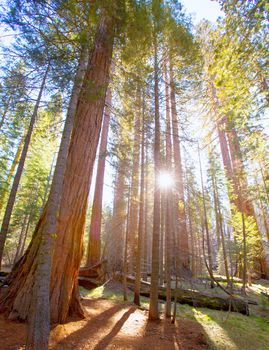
(111, 325)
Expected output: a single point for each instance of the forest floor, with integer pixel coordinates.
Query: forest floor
(114, 324)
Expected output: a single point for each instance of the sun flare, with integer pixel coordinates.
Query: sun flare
(165, 179)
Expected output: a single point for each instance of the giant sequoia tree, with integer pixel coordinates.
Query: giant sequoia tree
(89, 110)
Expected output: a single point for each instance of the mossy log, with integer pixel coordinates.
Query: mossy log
(198, 299)
(219, 279)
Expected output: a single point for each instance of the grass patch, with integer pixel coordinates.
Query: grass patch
(229, 331)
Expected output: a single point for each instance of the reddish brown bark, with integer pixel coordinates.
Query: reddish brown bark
(168, 196)
(141, 218)
(238, 170)
(226, 157)
(79, 167)
(153, 304)
(209, 264)
(183, 232)
(134, 204)
(94, 245)
(71, 220)
(125, 253)
(116, 238)
(234, 167)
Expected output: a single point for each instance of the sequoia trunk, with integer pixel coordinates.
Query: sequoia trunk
(94, 245)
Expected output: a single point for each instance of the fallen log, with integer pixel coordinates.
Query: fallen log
(93, 276)
(89, 283)
(95, 271)
(197, 299)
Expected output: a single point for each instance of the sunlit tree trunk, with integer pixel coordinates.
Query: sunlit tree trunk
(125, 253)
(219, 224)
(226, 158)
(21, 251)
(116, 241)
(141, 225)
(209, 265)
(146, 231)
(168, 196)
(192, 235)
(22, 233)
(260, 262)
(94, 245)
(48, 183)
(40, 312)
(183, 233)
(134, 205)
(162, 252)
(73, 205)
(3, 117)
(239, 172)
(153, 304)
(263, 210)
(17, 178)
(78, 174)
(234, 167)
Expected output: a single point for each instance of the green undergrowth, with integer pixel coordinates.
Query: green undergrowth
(111, 291)
(106, 292)
(229, 331)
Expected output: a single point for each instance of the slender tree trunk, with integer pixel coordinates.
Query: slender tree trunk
(226, 158)
(193, 240)
(141, 217)
(20, 239)
(168, 196)
(17, 178)
(146, 238)
(47, 185)
(3, 118)
(25, 236)
(245, 254)
(134, 193)
(94, 245)
(220, 223)
(184, 244)
(168, 246)
(116, 246)
(263, 211)
(125, 257)
(264, 183)
(177, 258)
(210, 263)
(162, 251)
(239, 172)
(153, 304)
(11, 172)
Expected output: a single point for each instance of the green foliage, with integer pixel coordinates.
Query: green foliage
(252, 237)
(35, 181)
